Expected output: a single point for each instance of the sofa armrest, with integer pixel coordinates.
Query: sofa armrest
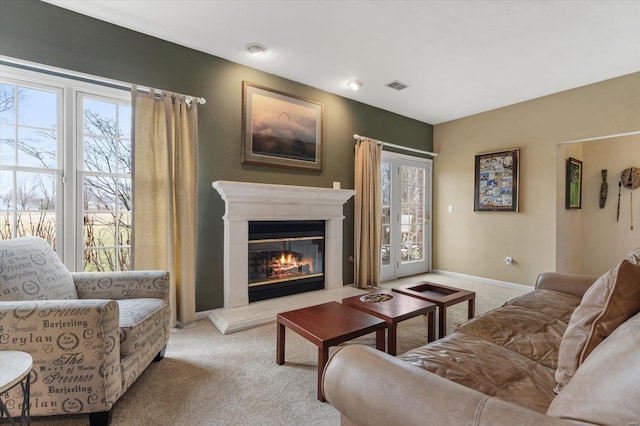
(122, 285)
(75, 346)
(372, 388)
(566, 283)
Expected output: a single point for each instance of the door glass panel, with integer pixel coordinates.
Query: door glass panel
(413, 212)
(385, 173)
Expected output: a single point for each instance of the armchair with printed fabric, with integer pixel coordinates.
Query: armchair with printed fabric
(91, 335)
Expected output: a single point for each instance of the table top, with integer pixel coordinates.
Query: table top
(329, 322)
(399, 308)
(437, 293)
(14, 366)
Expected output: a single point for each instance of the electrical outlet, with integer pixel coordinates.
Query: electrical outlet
(508, 260)
(450, 209)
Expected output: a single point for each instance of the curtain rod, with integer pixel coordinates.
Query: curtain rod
(86, 78)
(392, 145)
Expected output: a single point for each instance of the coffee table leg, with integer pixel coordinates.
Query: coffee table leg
(472, 308)
(280, 345)
(431, 327)
(323, 358)
(380, 339)
(392, 339)
(442, 327)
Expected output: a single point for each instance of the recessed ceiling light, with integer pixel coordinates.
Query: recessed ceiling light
(256, 49)
(355, 84)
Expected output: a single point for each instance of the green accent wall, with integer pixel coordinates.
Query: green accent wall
(39, 32)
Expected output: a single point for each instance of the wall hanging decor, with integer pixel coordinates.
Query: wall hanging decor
(630, 179)
(604, 189)
(496, 181)
(574, 184)
(280, 130)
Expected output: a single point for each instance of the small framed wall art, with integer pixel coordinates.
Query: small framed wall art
(280, 130)
(496, 181)
(574, 184)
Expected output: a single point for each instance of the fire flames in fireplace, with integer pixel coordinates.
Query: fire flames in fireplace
(285, 258)
(289, 265)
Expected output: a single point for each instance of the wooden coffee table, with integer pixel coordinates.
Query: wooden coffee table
(441, 295)
(393, 311)
(327, 325)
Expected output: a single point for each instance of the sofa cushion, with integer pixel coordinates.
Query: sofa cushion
(488, 368)
(532, 334)
(610, 301)
(634, 256)
(555, 304)
(31, 270)
(138, 319)
(604, 390)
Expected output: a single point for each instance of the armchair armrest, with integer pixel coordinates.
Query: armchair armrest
(565, 283)
(122, 285)
(75, 345)
(372, 388)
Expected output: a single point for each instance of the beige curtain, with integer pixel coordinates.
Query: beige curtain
(368, 213)
(164, 190)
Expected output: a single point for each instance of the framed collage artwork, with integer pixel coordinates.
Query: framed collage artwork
(496, 181)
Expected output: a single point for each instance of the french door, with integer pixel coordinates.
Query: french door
(406, 215)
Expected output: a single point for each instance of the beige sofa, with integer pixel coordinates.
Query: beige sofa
(566, 353)
(91, 335)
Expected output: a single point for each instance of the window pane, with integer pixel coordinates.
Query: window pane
(35, 191)
(99, 229)
(37, 223)
(7, 103)
(37, 148)
(6, 190)
(124, 156)
(7, 221)
(124, 194)
(124, 229)
(99, 155)
(100, 193)
(98, 260)
(100, 118)
(7, 145)
(37, 108)
(124, 122)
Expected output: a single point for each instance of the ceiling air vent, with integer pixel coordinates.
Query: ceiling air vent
(397, 85)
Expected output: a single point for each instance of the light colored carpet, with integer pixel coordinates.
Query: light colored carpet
(208, 378)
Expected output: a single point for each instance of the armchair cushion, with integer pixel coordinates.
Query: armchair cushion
(138, 318)
(610, 301)
(31, 270)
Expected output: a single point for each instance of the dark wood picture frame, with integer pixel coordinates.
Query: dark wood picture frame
(281, 130)
(496, 181)
(573, 184)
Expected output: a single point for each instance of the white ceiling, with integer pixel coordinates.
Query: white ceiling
(458, 57)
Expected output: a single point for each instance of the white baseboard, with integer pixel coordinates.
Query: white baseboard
(484, 280)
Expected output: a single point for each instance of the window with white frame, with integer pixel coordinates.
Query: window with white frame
(65, 167)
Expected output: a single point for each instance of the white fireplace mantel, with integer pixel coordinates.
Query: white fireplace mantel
(245, 201)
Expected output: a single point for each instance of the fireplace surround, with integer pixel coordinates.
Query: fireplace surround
(246, 202)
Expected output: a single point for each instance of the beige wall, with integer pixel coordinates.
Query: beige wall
(476, 244)
(568, 221)
(604, 240)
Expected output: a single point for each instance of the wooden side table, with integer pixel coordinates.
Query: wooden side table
(393, 311)
(441, 295)
(15, 369)
(327, 325)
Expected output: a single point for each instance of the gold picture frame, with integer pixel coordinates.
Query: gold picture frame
(281, 130)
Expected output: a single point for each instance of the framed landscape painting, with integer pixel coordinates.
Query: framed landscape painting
(280, 130)
(574, 184)
(496, 181)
